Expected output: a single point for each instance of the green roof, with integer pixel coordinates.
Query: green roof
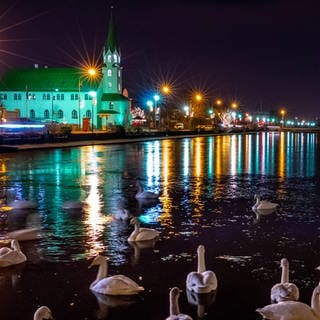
(45, 79)
(112, 41)
(113, 97)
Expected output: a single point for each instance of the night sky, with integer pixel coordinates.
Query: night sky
(264, 54)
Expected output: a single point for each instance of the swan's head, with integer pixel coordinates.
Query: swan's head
(284, 263)
(134, 221)
(175, 292)
(43, 313)
(257, 196)
(201, 249)
(98, 260)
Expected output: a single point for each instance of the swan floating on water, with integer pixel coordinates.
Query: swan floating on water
(12, 256)
(263, 204)
(141, 194)
(141, 234)
(112, 285)
(293, 310)
(42, 313)
(174, 306)
(202, 281)
(284, 290)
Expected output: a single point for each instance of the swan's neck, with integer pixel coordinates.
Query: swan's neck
(135, 231)
(201, 262)
(140, 189)
(102, 271)
(174, 305)
(315, 301)
(285, 274)
(257, 202)
(15, 246)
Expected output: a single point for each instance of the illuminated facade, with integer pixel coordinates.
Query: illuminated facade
(69, 95)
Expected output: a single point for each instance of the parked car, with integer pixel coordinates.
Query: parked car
(179, 126)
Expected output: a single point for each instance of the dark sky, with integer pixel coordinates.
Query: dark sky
(264, 54)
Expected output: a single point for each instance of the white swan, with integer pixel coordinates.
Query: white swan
(42, 313)
(141, 234)
(22, 204)
(25, 234)
(112, 285)
(202, 281)
(293, 310)
(263, 204)
(12, 256)
(174, 306)
(284, 290)
(141, 194)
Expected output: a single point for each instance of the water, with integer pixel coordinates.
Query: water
(207, 186)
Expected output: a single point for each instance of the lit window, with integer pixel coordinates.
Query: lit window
(119, 74)
(109, 84)
(60, 114)
(111, 105)
(115, 58)
(109, 73)
(74, 114)
(109, 58)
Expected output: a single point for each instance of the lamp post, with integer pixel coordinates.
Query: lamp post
(79, 102)
(93, 95)
(156, 98)
(283, 112)
(150, 105)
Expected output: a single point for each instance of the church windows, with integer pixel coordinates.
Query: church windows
(119, 74)
(109, 57)
(74, 114)
(32, 114)
(48, 96)
(76, 96)
(109, 73)
(19, 96)
(4, 96)
(44, 97)
(119, 89)
(46, 114)
(115, 59)
(15, 97)
(88, 114)
(109, 84)
(111, 105)
(86, 97)
(60, 114)
(62, 96)
(58, 96)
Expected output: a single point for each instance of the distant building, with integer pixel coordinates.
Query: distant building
(68, 95)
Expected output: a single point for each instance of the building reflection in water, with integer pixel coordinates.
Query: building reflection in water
(189, 172)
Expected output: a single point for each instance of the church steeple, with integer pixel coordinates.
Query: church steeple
(112, 40)
(112, 70)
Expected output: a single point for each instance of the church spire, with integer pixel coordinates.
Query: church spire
(112, 40)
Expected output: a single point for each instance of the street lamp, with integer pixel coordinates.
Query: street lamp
(156, 98)
(282, 112)
(93, 95)
(150, 105)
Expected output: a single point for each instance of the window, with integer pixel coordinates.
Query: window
(109, 58)
(58, 96)
(88, 114)
(1, 96)
(76, 96)
(109, 84)
(46, 114)
(60, 114)
(19, 96)
(111, 105)
(115, 58)
(72, 96)
(62, 96)
(86, 97)
(119, 74)
(48, 96)
(44, 97)
(74, 114)
(32, 114)
(5, 96)
(15, 96)
(109, 73)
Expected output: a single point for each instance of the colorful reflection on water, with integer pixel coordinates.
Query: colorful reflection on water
(207, 185)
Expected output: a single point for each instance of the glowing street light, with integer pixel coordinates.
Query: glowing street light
(234, 105)
(93, 96)
(282, 112)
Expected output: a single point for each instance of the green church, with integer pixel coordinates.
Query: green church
(83, 98)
